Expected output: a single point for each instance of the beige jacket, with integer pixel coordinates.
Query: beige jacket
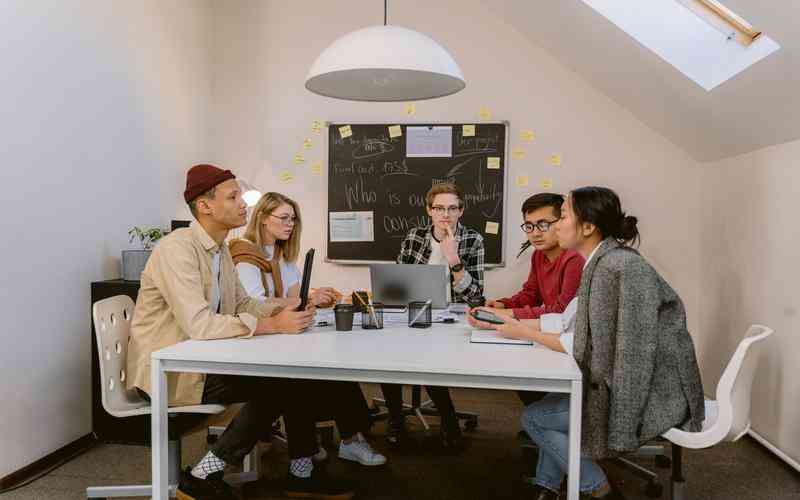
(174, 305)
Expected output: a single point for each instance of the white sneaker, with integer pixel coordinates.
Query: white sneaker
(320, 456)
(359, 450)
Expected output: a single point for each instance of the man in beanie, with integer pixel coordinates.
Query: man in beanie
(190, 290)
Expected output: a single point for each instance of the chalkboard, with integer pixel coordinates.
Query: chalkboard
(368, 171)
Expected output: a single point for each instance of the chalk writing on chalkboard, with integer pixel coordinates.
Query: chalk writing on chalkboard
(369, 171)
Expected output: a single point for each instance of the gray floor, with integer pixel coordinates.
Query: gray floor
(489, 469)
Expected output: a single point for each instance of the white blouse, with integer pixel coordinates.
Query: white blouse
(564, 323)
(250, 276)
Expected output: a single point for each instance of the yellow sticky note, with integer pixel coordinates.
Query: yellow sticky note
(286, 177)
(518, 153)
(316, 126)
(527, 135)
(468, 131)
(307, 144)
(493, 162)
(485, 114)
(522, 180)
(299, 159)
(492, 227)
(411, 109)
(316, 168)
(546, 184)
(555, 160)
(345, 131)
(395, 131)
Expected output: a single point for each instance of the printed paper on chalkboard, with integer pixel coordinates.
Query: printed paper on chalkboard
(429, 142)
(352, 226)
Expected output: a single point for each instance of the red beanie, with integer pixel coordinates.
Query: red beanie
(201, 178)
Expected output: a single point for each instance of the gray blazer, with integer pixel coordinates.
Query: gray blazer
(640, 373)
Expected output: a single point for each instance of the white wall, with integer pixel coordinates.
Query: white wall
(750, 275)
(262, 113)
(103, 105)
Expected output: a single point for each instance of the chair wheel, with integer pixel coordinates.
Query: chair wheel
(654, 490)
(211, 438)
(663, 462)
(471, 424)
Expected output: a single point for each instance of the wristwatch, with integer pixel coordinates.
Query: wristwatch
(457, 268)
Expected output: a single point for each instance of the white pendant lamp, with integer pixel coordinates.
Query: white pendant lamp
(385, 63)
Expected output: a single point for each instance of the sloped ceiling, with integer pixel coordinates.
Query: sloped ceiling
(757, 108)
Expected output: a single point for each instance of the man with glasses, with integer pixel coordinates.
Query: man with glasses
(555, 273)
(444, 242)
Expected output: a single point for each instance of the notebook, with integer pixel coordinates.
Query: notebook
(492, 337)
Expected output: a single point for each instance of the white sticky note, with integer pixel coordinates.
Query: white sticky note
(411, 109)
(527, 135)
(299, 159)
(286, 177)
(468, 131)
(316, 126)
(316, 168)
(351, 226)
(555, 160)
(522, 180)
(484, 113)
(307, 144)
(518, 153)
(492, 227)
(395, 131)
(493, 162)
(345, 131)
(546, 184)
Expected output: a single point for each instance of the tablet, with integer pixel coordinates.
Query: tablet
(304, 288)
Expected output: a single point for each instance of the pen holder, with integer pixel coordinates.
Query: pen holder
(344, 317)
(372, 317)
(419, 314)
(358, 305)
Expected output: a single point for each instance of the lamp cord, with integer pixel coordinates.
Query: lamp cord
(385, 11)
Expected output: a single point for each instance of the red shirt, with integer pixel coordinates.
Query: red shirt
(550, 285)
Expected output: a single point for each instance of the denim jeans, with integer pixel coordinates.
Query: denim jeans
(547, 423)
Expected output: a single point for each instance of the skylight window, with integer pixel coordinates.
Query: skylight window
(701, 38)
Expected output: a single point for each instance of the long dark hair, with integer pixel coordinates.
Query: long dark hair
(536, 202)
(601, 206)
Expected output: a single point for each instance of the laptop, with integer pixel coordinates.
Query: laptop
(395, 285)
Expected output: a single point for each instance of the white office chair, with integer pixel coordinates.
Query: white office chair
(727, 418)
(112, 321)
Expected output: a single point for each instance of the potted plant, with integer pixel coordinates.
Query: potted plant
(133, 261)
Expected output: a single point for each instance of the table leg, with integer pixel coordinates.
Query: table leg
(573, 475)
(159, 441)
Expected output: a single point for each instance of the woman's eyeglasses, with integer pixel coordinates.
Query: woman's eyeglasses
(542, 225)
(286, 220)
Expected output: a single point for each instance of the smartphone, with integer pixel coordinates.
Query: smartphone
(487, 317)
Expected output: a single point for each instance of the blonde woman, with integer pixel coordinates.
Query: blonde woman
(266, 256)
(265, 261)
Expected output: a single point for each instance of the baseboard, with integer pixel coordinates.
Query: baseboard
(774, 449)
(47, 463)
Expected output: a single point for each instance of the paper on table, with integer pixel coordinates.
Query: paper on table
(468, 131)
(427, 142)
(492, 337)
(352, 226)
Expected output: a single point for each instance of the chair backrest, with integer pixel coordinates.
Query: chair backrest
(735, 385)
(112, 324)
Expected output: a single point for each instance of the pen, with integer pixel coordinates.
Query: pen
(419, 314)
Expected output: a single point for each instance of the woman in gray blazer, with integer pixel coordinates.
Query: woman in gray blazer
(640, 373)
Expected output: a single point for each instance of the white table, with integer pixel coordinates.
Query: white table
(441, 355)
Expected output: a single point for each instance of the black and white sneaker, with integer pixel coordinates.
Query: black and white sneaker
(210, 488)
